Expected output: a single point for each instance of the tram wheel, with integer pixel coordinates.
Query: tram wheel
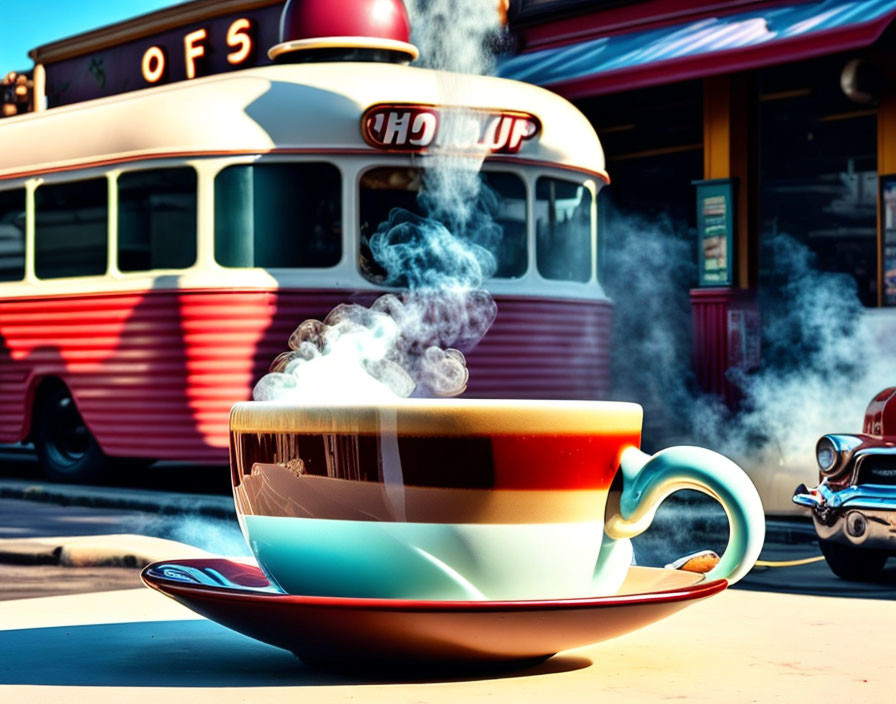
(65, 447)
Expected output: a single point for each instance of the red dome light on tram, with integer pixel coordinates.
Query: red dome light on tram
(372, 30)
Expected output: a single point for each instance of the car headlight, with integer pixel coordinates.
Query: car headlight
(827, 455)
(834, 453)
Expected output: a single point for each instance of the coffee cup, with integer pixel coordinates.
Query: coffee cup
(455, 499)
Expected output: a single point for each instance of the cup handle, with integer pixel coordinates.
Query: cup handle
(648, 480)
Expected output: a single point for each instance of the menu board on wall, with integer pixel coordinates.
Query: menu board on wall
(715, 228)
(888, 221)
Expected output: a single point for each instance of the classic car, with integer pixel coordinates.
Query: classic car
(854, 505)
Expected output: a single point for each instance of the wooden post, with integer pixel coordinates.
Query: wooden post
(729, 140)
(717, 127)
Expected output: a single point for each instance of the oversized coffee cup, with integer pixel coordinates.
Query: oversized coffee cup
(464, 499)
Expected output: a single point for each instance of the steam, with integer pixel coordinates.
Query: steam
(456, 35)
(822, 358)
(647, 271)
(822, 364)
(400, 345)
(412, 343)
(216, 535)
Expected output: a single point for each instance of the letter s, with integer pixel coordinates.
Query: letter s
(238, 35)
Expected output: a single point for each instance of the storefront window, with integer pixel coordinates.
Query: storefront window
(888, 218)
(653, 142)
(501, 202)
(818, 162)
(278, 216)
(563, 230)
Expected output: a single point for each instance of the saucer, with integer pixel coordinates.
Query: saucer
(343, 631)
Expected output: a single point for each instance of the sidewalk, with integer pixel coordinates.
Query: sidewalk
(109, 533)
(783, 530)
(738, 646)
(210, 506)
(113, 550)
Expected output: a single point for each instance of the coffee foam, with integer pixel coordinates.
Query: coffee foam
(442, 417)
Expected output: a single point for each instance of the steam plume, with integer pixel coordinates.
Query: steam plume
(822, 358)
(456, 35)
(216, 535)
(647, 271)
(401, 345)
(411, 344)
(822, 363)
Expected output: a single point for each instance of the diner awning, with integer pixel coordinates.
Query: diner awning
(703, 47)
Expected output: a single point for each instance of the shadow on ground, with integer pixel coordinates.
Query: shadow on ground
(189, 654)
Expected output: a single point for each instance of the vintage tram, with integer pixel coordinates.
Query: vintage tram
(160, 244)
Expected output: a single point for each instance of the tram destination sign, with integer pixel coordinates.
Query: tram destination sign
(420, 128)
(200, 48)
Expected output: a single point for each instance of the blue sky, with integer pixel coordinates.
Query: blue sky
(27, 24)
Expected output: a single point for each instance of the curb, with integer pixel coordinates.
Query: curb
(791, 530)
(116, 550)
(147, 500)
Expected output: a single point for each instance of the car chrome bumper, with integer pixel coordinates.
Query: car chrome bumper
(863, 515)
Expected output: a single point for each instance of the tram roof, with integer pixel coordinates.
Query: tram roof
(298, 107)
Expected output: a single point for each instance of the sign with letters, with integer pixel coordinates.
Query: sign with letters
(419, 128)
(202, 48)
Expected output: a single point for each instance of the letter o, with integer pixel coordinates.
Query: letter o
(153, 64)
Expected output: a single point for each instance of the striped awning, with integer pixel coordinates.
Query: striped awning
(711, 45)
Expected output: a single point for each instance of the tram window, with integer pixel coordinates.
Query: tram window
(563, 230)
(12, 235)
(70, 229)
(157, 219)
(278, 215)
(498, 222)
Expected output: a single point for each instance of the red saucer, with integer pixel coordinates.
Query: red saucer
(343, 631)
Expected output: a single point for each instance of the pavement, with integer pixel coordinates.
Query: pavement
(32, 582)
(137, 507)
(738, 646)
(163, 502)
(133, 643)
(73, 537)
(113, 550)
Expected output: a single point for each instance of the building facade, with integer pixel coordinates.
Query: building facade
(738, 121)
